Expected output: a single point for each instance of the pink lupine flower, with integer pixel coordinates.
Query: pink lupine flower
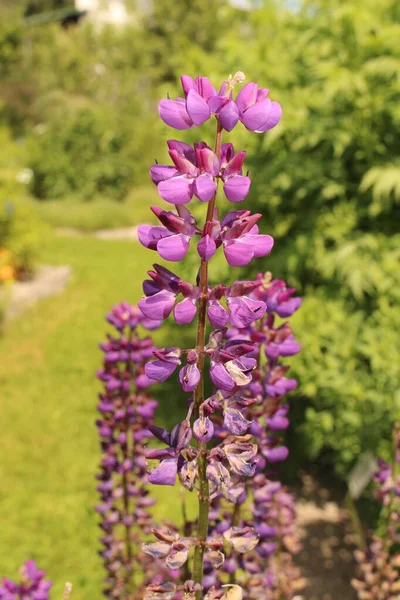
(172, 239)
(256, 111)
(195, 172)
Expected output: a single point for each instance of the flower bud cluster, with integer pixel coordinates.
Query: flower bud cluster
(32, 586)
(126, 412)
(252, 107)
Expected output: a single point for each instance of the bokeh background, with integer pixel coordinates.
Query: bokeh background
(79, 129)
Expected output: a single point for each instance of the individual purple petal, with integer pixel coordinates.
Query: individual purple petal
(264, 530)
(149, 235)
(244, 310)
(158, 306)
(182, 148)
(217, 314)
(203, 429)
(187, 83)
(277, 454)
(272, 350)
(221, 378)
(237, 254)
(177, 558)
(189, 377)
(197, 108)
(161, 173)
(289, 347)
(255, 116)
(206, 248)
(229, 116)
(235, 422)
(238, 369)
(261, 244)
(247, 96)
(208, 161)
(217, 559)
(216, 103)
(205, 88)
(174, 113)
(157, 549)
(163, 591)
(286, 309)
(173, 247)
(165, 473)
(183, 164)
(236, 188)
(235, 164)
(243, 539)
(262, 94)
(160, 370)
(177, 190)
(185, 311)
(204, 187)
(266, 549)
(273, 118)
(277, 422)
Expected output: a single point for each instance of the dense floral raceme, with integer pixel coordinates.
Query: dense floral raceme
(32, 584)
(379, 563)
(264, 503)
(126, 413)
(226, 446)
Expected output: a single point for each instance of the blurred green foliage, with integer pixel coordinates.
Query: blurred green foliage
(327, 180)
(328, 184)
(22, 232)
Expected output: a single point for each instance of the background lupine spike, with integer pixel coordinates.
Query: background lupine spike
(126, 412)
(32, 584)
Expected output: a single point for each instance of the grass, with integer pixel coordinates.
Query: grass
(49, 443)
(100, 213)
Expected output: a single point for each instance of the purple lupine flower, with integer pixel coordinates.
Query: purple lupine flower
(195, 173)
(236, 185)
(167, 360)
(277, 296)
(189, 376)
(256, 111)
(171, 546)
(171, 457)
(203, 429)
(279, 341)
(252, 106)
(161, 292)
(241, 239)
(33, 586)
(276, 384)
(172, 239)
(192, 110)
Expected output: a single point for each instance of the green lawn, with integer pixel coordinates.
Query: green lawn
(100, 213)
(49, 444)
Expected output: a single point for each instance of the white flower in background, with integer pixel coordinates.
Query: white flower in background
(24, 176)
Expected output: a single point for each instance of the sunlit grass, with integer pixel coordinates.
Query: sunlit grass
(100, 213)
(49, 443)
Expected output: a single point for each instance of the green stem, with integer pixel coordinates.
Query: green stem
(203, 494)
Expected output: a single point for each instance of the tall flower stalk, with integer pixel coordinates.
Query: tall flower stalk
(227, 452)
(126, 411)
